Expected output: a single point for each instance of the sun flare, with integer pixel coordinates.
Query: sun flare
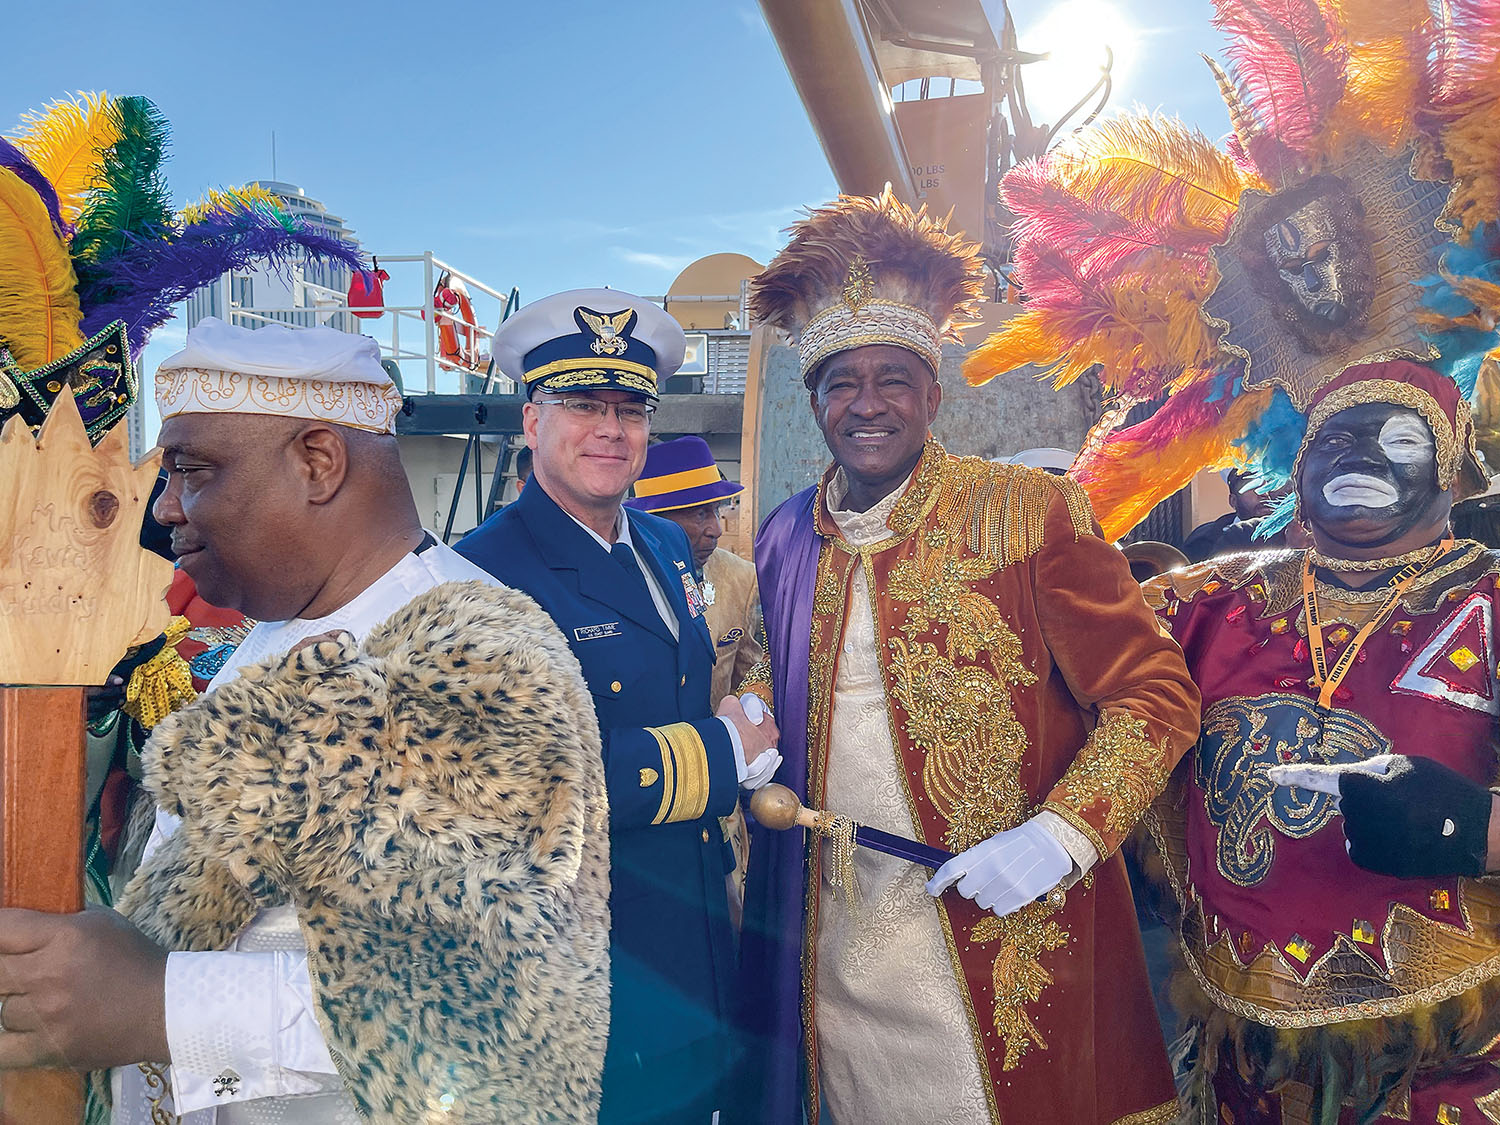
(1078, 36)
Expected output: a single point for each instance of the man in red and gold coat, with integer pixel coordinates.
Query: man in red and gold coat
(1326, 838)
(955, 656)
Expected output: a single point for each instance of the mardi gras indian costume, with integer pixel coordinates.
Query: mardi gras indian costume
(1331, 271)
(966, 657)
(1316, 981)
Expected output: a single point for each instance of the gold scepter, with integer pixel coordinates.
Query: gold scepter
(777, 807)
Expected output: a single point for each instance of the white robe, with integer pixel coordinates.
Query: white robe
(894, 1043)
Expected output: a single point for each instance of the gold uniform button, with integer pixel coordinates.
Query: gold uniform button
(615, 687)
(683, 683)
(705, 835)
(648, 777)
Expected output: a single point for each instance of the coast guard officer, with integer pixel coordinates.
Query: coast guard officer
(621, 587)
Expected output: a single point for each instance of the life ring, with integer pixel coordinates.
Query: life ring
(457, 328)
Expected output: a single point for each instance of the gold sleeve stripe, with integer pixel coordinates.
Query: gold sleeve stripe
(692, 772)
(668, 776)
(691, 799)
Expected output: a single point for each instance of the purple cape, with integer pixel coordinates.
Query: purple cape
(786, 554)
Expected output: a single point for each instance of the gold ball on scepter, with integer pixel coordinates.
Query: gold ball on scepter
(775, 806)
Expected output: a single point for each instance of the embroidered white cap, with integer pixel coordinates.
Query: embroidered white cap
(320, 374)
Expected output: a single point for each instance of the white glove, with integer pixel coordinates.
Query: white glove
(1005, 872)
(760, 771)
(1325, 779)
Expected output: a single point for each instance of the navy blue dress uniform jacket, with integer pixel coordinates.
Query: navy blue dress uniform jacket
(669, 769)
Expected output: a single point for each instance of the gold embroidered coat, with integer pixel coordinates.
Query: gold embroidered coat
(1022, 671)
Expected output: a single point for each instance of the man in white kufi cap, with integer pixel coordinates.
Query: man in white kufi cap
(393, 788)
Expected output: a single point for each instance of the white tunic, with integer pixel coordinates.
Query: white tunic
(241, 1024)
(894, 1045)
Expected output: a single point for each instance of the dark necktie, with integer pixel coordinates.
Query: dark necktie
(632, 567)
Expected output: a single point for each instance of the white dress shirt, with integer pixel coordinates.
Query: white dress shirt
(242, 1023)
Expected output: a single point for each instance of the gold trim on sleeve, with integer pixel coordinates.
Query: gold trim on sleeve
(757, 682)
(668, 775)
(690, 801)
(1118, 767)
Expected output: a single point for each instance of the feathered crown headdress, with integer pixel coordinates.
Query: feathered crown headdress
(1363, 158)
(93, 257)
(869, 270)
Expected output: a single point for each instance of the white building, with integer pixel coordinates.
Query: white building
(265, 288)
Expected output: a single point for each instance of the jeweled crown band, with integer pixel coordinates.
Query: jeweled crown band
(364, 406)
(839, 328)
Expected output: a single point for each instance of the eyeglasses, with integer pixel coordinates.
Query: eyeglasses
(633, 415)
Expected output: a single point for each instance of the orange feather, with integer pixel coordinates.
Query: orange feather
(1142, 328)
(1126, 478)
(1472, 144)
(1386, 44)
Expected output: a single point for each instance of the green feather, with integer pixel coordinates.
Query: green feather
(130, 197)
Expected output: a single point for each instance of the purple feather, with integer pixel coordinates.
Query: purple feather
(141, 285)
(17, 161)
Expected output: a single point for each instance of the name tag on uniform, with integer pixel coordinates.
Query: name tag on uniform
(594, 632)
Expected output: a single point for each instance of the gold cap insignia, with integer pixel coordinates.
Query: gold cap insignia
(608, 328)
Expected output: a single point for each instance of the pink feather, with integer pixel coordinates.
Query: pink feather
(1468, 49)
(1289, 67)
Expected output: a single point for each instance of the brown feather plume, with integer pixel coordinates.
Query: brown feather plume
(913, 258)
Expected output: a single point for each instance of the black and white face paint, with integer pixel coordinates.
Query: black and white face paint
(1370, 472)
(1404, 439)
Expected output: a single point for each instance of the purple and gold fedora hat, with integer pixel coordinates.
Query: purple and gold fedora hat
(680, 474)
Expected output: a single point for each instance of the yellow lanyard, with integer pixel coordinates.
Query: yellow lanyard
(1325, 681)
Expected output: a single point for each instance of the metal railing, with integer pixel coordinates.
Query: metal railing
(420, 320)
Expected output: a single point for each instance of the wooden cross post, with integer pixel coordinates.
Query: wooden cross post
(76, 590)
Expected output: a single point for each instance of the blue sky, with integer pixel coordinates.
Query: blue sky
(548, 145)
